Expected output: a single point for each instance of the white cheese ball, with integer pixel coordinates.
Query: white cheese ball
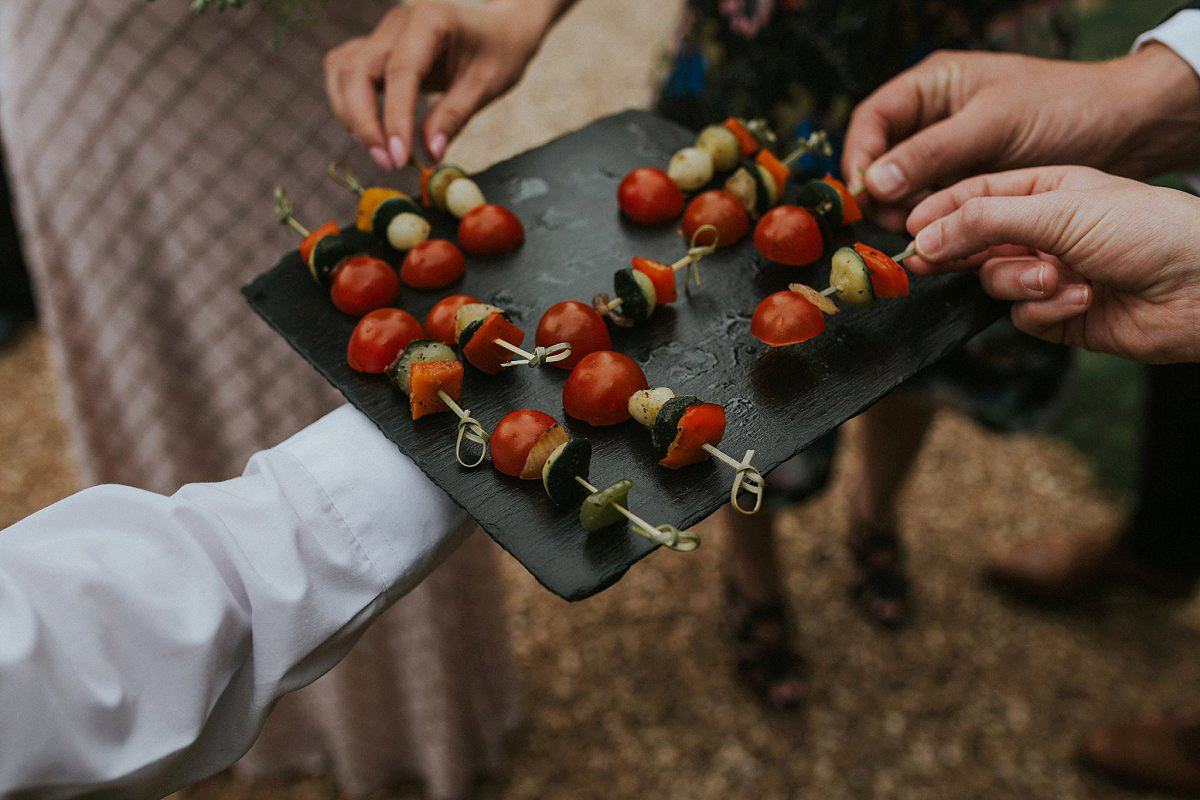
(690, 168)
(407, 230)
(722, 144)
(462, 195)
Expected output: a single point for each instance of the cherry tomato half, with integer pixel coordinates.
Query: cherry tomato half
(720, 208)
(888, 278)
(490, 230)
(577, 323)
(786, 318)
(597, 390)
(379, 337)
(439, 322)
(789, 235)
(514, 437)
(648, 196)
(363, 283)
(432, 264)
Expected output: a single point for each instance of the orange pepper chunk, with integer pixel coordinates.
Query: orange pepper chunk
(310, 241)
(370, 201)
(425, 378)
(700, 425)
(747, 140)
(482, 350)
(661, 275)
(426, 197)
(778, 170)
(888, 278)
(850, 209)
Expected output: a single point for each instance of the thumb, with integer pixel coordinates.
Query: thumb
(453, 110)
(945, 148)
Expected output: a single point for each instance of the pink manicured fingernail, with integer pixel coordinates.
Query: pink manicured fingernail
(380, 157)
(1076, 295)
(437, 145)
(929, 240)
(398, 151)
(1034, 279)
(887, 179)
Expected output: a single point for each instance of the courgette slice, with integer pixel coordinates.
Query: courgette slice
(597, 510)
(571, 458)
(821, 199)
(637, 294)
(418, 350)
(327, 254)
(440, 180)
(388, 210)
(666, 424)
(850, 276)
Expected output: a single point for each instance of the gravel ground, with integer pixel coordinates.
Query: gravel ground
(629, 694)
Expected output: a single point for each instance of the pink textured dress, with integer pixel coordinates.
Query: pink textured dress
(143, 143)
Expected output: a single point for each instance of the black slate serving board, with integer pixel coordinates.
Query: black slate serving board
(778, 401)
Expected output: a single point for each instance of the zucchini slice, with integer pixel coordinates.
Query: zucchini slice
(850, 276)
(440, 180)
(637, 294)
(418, 351)
(666, 424)
(821, 199)
(571, 458)
(597, 510)
(388, 210)
(327, 254)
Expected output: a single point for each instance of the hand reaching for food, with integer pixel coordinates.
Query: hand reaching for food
(1089, 259)
(472, 54)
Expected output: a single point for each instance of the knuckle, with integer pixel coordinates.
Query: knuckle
(974, 213)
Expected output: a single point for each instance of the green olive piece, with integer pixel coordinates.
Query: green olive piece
(570, 459)
(637, 294)
(387, 211)
(850, 276)
(418, 351)
(597, 510)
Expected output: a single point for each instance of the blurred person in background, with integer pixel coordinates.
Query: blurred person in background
(16, 299)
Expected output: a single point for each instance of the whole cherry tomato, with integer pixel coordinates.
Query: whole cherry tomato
(379, 337)
(432, 264)
(577, 323)
(363, 283)
(490, 230)
(719, 208)
(786, 318)
(439, 322)
(514, 437)
(789, 235)
(648, 196)
(597, 390)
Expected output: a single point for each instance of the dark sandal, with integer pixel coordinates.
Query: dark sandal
(880, 585)
(766, 664)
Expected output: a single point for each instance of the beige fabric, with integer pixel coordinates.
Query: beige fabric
(143, 143)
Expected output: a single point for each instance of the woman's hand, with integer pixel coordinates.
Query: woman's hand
(1104, 263)
(955, 114)
(472, 53)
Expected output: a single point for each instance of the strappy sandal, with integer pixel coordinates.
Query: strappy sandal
(766, 663)
(880, 585)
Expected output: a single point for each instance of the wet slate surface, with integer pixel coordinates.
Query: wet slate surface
(778, 401)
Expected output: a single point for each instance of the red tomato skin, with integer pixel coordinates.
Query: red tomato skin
(648, 196)
(433, 264)
(439, 322)
(661, 275)
(789, 235)
(597, 390)
(363, 283)
(786, 318)
(514, 437)
(720, 208)
(577, 323)
(379, 337)
(888, 278)
(490, 230)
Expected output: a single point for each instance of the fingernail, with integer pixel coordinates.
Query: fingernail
(437, 145)
(1034, 279)
(887, 179)
(929, 240)
(1076, 295)
(380, 157)
(398, 151)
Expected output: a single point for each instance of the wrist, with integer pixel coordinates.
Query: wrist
(534, 17)
(1160, 99)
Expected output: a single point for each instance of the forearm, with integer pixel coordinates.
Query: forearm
(1159, 96)
(143, 638)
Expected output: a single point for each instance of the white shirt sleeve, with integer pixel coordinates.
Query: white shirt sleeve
(143, 638)
(1181, 33)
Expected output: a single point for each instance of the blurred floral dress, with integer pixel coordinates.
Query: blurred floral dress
(803, 65)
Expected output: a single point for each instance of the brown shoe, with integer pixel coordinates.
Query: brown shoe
(1162, 755)
(1064, 568)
